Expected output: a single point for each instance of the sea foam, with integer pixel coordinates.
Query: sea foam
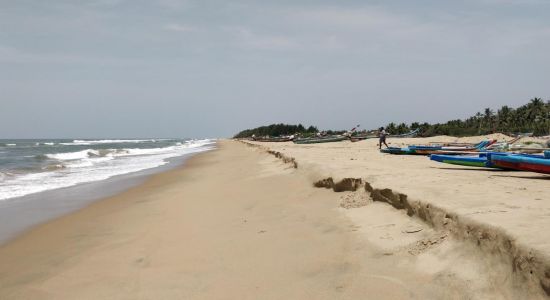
(88, 165)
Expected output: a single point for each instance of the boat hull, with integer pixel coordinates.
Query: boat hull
(397, 150)
(273, 140)
(519, 162)
(320, 140)
(428, 150)
(358, 138)
(470, 161)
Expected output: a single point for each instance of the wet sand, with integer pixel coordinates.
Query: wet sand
(237, 223)
(20, 214)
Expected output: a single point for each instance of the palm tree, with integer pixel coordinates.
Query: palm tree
(534, 108)
(391, 128)
(478, 120)
(503, 118)
(402, 128)
(488, 119)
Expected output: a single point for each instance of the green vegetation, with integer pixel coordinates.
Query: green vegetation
(277, 130)
(532, 117)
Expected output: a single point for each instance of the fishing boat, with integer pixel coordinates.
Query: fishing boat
(397, 150)
(452, 150)
(539, 164)
(413, 133)
(527, 149)
(470, 161)
(427, 150)
(273, 139)
(317, 140)
(479, 160)
(411, 150)
(357, 138)
(496, 145)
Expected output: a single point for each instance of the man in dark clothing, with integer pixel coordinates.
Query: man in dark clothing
(382, 135)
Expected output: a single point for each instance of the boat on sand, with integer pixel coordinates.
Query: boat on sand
(273, 139)
(317, 140)
(427, 150)
(521, 162)
(481, 160)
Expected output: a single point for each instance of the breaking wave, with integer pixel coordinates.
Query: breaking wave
(98, 142)
(63, 169)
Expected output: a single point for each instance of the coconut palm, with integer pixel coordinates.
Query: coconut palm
(503, 118)
(488, 118)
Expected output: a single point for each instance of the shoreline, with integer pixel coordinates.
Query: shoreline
(20, 214)
(238, 222)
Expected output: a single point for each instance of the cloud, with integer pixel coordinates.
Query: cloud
(262, 41)
(435, 34)
(11, 55)
(178, 27)
(362, 18)
(107, 3)
(513, 2)
(363, 31)
(6, 51)
(173, 4)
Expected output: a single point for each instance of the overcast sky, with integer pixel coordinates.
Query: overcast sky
(171, 68)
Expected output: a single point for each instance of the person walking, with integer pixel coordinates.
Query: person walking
(382, 137)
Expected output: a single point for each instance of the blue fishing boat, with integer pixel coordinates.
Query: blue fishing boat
(397, 150)
(540, 164)
(481, 160)
(470, 161)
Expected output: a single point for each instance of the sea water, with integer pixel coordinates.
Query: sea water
(33, 166)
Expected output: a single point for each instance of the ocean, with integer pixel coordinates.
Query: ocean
(38, 165)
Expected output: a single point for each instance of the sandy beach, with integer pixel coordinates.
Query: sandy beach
(183, 149)
(501, 213)
(239, 223)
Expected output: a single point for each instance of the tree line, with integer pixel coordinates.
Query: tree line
(533, 117)
(277, 130)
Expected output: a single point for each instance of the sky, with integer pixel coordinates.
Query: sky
(208, 68)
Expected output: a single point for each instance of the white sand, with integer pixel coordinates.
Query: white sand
(516, 204)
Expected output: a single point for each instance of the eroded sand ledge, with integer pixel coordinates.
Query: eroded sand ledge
(528, 267)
